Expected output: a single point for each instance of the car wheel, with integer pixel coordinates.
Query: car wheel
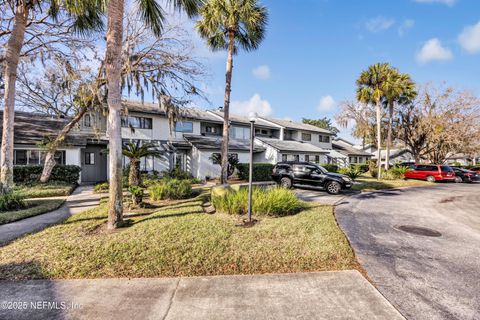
(286, 182)
(458, 179)
(431, 179)
(333, 187)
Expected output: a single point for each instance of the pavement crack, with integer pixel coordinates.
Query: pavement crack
(170, 302)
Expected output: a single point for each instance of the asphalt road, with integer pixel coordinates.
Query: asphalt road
(424, 277)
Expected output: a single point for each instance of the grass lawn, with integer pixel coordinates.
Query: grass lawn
(35, 207)
(178, 239)
(369, 183)
(51, 189)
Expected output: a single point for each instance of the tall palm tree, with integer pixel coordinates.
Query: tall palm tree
(136, 151)
(228, 25)
(371, 88)
(153, 14)
(86, 15)
(400, 89)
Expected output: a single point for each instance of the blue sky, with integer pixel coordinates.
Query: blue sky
(315, 49)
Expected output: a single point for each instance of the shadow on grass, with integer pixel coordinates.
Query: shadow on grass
(163, 216)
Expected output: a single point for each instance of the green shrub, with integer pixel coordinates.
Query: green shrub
(31, 174)
(330, 167)
(397, 172)
(11, 201)
(170, 189)
(269, 202)
(101, 187)
(360, 167)
(353, 172)
(137, 193)
(261, 171)
(177, 173)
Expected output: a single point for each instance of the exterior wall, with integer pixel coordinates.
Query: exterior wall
(202, 165)
(270, 155)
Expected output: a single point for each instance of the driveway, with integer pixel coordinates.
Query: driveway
(312, 194)
(424, 277)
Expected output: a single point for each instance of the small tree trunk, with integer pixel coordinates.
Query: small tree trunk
(134, 173)
(226, 108)
(379, 140)
(114, 99)
(14, 47)
(50, 157)
(389, 135)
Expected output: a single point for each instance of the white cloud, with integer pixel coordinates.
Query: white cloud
(379, 24)
(327, 103)
(433, 50)
(262, 72)
(254, 104)
(449, 3)
(405, 26)
(470, 38)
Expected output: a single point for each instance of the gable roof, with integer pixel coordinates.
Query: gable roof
(348, 150)
(235, 118)
(32, 128)
(292, 146)
(296, 125)
(215, 143)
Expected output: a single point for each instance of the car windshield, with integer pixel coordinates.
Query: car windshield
(322, 169)
(446, 169)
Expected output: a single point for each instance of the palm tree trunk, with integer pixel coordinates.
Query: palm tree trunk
(134, 173)
(50, 157)
(114, 99)
(226, 108)
(389, 134)
(14, 47)
(379, 140)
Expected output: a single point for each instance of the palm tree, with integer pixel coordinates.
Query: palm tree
(228, 25)
(153, 15)
(86, 15)
(371, 88)
(135, 151)
(400, 89)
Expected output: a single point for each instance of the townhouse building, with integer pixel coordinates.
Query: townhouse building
(188, 144)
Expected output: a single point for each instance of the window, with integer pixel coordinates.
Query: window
(263, 132)
(324, 138)
(241, 133)
(210, 129)
(296, 157)
(20, 157)
(137, 122)
(307, 158)
(89, 157)
(306, 137)
(317, 159)
(87, 120)
(33, 157)
(284, 157)
(186, 127)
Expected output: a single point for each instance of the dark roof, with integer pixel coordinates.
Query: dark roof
(297, 125)
(350, 151)
(153, 108)
(292, 146)
(235, 118)
(32, 128)
(215, 143)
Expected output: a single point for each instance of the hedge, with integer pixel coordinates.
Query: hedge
(31, 174)
(261, 171)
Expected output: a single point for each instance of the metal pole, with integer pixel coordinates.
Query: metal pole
(250, 172)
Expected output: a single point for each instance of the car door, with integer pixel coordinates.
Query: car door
(416, 172)
(300, 174)
(315, 176)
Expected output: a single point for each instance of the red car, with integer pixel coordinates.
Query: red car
(431, 172)
(476, 169)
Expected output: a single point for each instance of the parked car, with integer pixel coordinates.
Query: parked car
(431, 172)
(476, 169)
(291, 173)
(464, 175)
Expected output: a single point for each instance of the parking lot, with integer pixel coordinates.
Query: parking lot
(420, 247)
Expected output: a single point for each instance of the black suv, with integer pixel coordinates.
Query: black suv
(292, 173)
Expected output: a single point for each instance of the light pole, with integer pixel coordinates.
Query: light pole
(252, 118)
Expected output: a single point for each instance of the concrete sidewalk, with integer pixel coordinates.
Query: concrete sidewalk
(80, 200)
(322, 295)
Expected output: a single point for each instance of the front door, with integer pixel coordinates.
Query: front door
(94, 163)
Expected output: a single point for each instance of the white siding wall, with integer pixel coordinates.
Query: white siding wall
(202, 165)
